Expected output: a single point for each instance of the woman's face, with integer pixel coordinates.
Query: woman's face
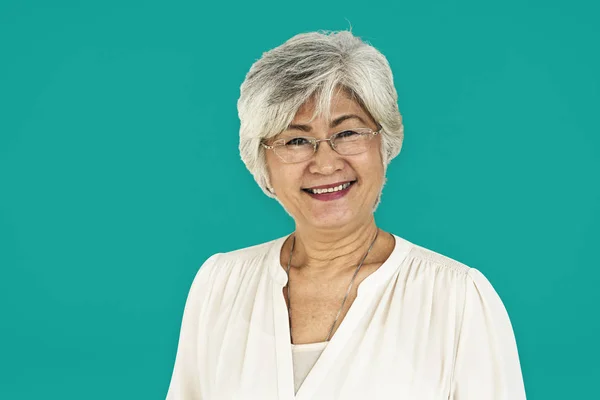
(327, 169)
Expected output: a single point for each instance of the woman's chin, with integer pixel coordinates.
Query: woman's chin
(331, 219)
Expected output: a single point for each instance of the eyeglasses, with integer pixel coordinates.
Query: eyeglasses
(301, 148)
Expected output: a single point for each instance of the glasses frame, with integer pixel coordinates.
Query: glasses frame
(315, 143)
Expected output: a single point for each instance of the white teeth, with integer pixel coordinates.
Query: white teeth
(331, 189)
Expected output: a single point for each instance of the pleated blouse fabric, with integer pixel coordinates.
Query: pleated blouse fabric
(423, 326)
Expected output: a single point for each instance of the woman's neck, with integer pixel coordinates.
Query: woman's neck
(326, 254)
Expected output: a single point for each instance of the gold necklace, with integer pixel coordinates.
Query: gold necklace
(287, 285)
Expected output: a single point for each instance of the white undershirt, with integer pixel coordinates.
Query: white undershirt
(304, 358)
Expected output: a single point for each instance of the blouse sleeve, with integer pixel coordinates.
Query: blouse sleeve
(487, 363)
(184, 380)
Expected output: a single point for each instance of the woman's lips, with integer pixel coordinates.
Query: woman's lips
(331, 185)
(328, 196)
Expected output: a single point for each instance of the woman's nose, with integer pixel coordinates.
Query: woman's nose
(326, 160)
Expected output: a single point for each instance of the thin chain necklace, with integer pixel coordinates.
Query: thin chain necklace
(345, 297)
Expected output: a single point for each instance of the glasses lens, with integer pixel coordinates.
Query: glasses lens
(292, 150)
(353, 141)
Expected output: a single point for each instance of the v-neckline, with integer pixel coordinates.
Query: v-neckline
(285, 371)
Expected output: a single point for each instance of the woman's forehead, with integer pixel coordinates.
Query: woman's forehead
(342, 108)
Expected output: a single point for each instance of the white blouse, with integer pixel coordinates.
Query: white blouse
(423, 326)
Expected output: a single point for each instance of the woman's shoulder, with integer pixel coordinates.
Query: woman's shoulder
(249, 254)
(431, 264)
(429, 259)
(241, 260)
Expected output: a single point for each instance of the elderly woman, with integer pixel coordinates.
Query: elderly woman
(339, 309)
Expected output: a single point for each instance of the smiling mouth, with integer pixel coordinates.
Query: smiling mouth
(332, 189)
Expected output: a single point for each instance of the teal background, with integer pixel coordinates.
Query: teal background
(120, 175)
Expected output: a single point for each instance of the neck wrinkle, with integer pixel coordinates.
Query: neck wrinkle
(334, 252)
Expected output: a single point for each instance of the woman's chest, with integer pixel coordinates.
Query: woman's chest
(380, 349)
(317, 318)
(317, 309)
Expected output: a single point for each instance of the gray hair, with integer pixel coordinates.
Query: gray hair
(313, 65)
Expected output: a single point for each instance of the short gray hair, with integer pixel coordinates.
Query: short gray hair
(313, 65)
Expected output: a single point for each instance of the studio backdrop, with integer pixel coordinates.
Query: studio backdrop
(120, 173)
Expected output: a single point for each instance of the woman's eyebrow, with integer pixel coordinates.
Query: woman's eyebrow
(334, 123)
(299, 127)
(345, 117)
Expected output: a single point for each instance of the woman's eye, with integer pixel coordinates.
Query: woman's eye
(299, 141)
(347, 134)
